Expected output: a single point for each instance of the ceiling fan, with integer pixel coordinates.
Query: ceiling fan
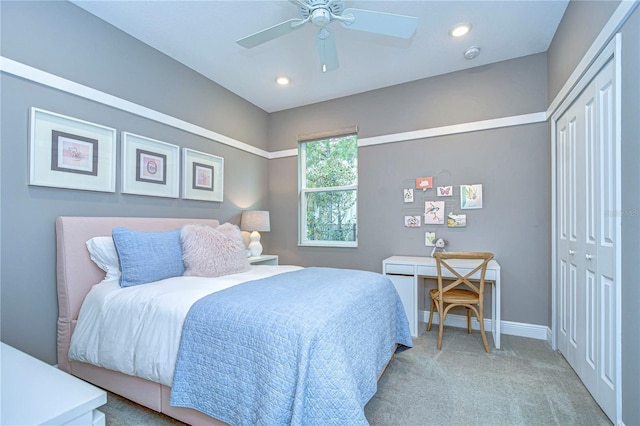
(321, 13)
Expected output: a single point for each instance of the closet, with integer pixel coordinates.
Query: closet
(587, 232)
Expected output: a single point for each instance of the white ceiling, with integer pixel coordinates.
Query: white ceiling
(202, 35)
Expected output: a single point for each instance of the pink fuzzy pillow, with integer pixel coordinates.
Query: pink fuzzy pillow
(212, 252)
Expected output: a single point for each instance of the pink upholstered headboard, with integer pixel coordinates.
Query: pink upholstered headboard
(76, 272)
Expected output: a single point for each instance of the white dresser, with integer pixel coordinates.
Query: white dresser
(36, 393)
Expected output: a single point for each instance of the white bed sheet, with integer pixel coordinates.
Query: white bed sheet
(136, 330)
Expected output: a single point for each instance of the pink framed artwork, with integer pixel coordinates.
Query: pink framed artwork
(203, 176)
(149, 167)
(66, 152)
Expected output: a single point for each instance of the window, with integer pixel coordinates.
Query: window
(328, 184)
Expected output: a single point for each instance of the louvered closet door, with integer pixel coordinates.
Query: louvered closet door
(586, 232)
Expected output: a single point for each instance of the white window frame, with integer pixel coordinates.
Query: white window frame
(302, 201)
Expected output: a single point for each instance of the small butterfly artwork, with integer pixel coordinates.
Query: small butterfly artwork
(445, 191)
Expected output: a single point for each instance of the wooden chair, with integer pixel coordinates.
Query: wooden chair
(455, 288)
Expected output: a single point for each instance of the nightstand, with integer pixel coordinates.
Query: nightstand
(264, 259)
(34, 392)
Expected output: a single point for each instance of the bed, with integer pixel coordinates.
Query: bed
(326, 358)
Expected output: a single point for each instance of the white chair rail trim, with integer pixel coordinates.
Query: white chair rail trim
(35, 75)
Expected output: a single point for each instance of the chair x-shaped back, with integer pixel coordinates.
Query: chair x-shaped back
(444, 298)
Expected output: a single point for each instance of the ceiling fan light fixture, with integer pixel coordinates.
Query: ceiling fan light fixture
(321, 13)
(320, 17)
(460, 29)
(282, 80)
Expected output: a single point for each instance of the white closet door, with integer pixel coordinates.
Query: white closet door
(602, 253)
(586, 237)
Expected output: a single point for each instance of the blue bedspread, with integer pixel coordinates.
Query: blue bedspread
(302, 348)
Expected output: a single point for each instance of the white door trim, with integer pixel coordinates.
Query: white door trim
(613, 51)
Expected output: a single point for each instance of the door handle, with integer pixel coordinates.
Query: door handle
(571, 252)
(588, 256)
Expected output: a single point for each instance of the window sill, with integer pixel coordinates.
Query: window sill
(343, 244)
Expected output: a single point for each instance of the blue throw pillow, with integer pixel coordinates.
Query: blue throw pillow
(148, 256)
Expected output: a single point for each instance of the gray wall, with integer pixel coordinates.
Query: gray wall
(491, 91)
(513, 164)
(62, 39)
(580, 25)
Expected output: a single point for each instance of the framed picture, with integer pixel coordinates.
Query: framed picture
(149, 167)
(202, 176)
(434, 213)
(471, 196)
(65, 152)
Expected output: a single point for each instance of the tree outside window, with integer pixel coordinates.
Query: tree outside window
(329, 191)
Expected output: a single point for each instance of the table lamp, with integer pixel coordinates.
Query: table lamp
(255, 221)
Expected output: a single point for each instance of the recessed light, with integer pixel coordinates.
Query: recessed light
(460, 29)
(282, 81)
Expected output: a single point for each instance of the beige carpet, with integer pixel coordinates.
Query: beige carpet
(524, 383)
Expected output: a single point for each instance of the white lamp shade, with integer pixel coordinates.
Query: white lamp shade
(255, 220)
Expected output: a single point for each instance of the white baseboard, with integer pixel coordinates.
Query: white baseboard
(533, 331)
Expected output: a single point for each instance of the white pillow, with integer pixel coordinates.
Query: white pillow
(103, 253)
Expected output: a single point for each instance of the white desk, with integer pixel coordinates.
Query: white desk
(35, 393)
(404, 272)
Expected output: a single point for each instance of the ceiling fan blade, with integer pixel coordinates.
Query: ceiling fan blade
(326, 45)
(379, 22)
(300, 3)
(271, 33)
